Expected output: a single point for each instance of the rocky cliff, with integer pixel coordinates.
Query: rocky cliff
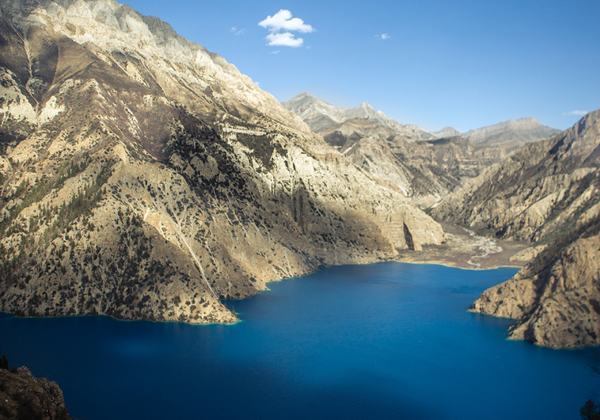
(547, 193)
(146, 178)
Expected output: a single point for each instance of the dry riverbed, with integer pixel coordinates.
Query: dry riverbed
(465, 249)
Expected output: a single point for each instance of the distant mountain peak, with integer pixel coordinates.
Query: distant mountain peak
(447, 132)
(511, 133)
(321, 115)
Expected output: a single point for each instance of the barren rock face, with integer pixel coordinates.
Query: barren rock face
(510, 134)
(320, 115)
(530, 195)
(426, 171)
(146, 178)
(558, 305)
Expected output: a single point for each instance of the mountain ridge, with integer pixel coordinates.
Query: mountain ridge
(321, 115)
(510, 134)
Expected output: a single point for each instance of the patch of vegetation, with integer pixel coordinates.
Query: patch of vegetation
(31, 194)
(596, 305)
(80, 205)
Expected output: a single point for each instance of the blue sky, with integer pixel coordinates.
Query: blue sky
(465, 64)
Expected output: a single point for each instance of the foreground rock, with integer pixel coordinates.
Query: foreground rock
(548, 194)
(146, 178)
(23, 396)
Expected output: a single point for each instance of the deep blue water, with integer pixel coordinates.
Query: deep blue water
(387, 340)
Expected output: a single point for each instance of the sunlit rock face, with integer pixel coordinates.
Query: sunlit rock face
(146, 178)
(547, 193)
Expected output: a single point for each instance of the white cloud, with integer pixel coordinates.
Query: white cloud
(283, 20)
(274, 52)
(383, 36)
(281, 25)
(576, 112)
(286, 39)
(237, 31)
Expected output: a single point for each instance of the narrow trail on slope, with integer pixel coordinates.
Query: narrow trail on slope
(194, 256)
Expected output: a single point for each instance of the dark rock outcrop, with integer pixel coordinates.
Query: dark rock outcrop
(24, 397)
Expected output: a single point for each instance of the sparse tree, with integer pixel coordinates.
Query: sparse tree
(3, 362)
(591, 409)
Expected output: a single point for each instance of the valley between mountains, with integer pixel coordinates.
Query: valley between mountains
(143, 177)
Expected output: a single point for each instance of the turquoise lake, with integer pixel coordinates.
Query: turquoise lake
(387, 340)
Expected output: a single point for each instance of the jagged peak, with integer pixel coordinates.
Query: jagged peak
(312, 109)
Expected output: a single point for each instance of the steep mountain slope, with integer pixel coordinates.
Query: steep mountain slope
(546, 185)
(547, 193)
(146, 178)
(510, 134)
(320, 115)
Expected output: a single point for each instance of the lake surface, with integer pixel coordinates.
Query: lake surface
(386, 340)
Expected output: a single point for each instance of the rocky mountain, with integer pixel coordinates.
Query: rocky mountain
(547, 193)
(447, 132)
(424, 170)
(23, 396)
(320, 115)
(144, 177)
(510, 134)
